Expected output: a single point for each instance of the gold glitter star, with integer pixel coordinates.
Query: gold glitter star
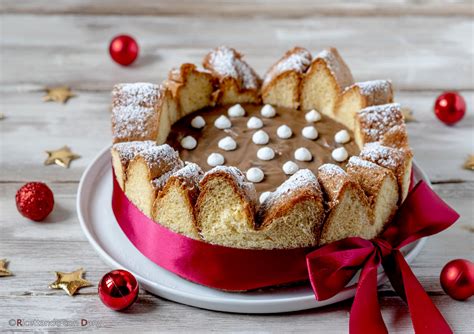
(3, 268)
(408, 115)
(61, 157)
(70, 282)
(58, 94)
(2, 116)
(469, 164)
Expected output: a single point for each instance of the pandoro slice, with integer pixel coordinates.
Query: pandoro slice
(147, 165)
(191, 87)
(399, 161)
(238, 82)
(377, 122)
(324, 81)
(359, 96)
(226, 208)
(174, 205)
(381, 188)
(123, 153)
(134, 113)
(168, 111)
(292, 216)
(349, 212)
(282, 82)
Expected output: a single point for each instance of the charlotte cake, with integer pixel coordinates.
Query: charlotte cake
(285, 174)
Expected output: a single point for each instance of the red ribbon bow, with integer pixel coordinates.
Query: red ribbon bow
(331, 267)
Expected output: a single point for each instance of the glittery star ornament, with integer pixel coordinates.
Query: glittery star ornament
(61, 157)
(58, 94)
(408, 114)
(469, 164)
(70, 282)
(3, 268)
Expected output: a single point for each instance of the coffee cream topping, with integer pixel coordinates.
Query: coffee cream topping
(281, 156)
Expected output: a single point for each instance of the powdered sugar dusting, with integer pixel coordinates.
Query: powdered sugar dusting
(159, 182)
(226, 62)
(128, 150)
(132, 121)
(191, 172)
(337, 67)
(140, 94)
(239, 178)
(368, 88)
(297, 59)
(356, 161)
(332, 170)
(301, 179)
(377, 120)
(133, 110)
(382, 155)
(161, 155)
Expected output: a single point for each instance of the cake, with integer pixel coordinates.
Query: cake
(281, 84)
(302, 158)
(359, 96)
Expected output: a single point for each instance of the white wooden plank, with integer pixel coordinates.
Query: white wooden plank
(157, 315)
(73, 49)
(32, 126)
(279, 8)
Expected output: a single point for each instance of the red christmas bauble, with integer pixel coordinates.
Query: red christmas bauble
(457, 279)
(118, 289)
(123, 49)
(34, 201)
(450, 107)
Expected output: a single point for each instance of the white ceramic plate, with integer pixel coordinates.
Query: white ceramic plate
(103, 232)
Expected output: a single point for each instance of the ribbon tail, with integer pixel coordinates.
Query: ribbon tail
(425, 316)
(394, 274)
(366, 317)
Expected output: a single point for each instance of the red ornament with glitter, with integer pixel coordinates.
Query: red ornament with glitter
(34, 201)
(457, 279)
(450, 107)
(118, 289)
(123, 49)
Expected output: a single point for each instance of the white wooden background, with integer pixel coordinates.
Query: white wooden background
(424, 46)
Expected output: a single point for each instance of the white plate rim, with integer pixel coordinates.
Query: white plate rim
(273, 304)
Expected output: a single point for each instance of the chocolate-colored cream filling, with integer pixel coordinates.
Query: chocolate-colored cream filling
(245, 156)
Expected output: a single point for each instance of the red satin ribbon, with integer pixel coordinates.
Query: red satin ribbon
(331, 267)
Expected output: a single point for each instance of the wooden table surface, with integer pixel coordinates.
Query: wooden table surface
(424, 47)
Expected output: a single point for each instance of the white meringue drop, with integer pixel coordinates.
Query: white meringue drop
(215, 159)
(188, 143)
(284, 132)
(264, 196)
(265, 153)
(198, 122)
(340, 154)
(255, 175)
(310, 132)
(222, 122)
(268, 111)
(312, 116)
(236, 111)
(227, 144)
(290, 168)
(254, 123)
(303, 154)
(260, 137)
(342, 137)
